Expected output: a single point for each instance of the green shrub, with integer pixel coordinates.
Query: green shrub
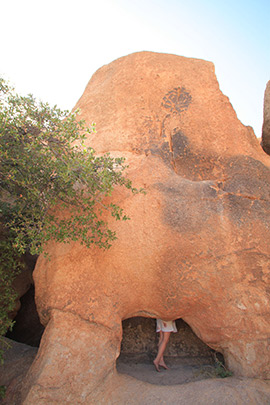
(45, 169)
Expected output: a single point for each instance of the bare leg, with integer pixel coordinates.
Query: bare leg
(162, 362)
(159, 343)
(163, 340)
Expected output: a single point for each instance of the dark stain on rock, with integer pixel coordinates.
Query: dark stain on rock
(188, 204)
(241, 195)
(177, 100)
(192, 166)
(257, 273)
(257, 262)
(180, 145)
(163, 152)
(186, 163)
(247, 177)
(189, 164)
(246, 190)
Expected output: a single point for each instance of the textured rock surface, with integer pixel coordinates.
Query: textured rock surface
(17, 360)
(196, 247)
(231, 391)
(266, 120)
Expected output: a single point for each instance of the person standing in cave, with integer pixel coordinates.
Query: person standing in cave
(164, 328)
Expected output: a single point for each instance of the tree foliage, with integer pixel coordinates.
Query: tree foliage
(45, 163)
(46, 169)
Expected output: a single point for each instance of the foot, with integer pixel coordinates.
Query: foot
(162, 364)
(156, 366)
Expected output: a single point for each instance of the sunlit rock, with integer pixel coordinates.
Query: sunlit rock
(196, 246)
(266, 120)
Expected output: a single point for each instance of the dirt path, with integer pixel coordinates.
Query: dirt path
(177, 373)
(229, 391)
(185, 383)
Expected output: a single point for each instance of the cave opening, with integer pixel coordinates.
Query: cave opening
(27, 328)
(189, 359)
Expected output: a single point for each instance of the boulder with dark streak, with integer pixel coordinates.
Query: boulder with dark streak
(197, 244)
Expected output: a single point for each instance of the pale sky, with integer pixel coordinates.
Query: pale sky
(52, 48)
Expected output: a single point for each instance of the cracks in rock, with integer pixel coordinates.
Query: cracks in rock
(172, 153)
(249, 197)
(101, 382)
(235, 252)
(161, 129)
(223, 193)
(218, 187)
(162, 134)
(87, 320)
(145, 314)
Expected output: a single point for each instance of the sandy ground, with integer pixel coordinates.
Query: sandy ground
(177, 373)
(212, 391)
(187, 382)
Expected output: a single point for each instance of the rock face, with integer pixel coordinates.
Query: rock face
(197, 244)
(266, 120)
(18, 358)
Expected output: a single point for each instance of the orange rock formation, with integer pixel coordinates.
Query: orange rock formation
(266, 120)
(197, 244)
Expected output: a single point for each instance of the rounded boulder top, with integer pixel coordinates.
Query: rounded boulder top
(148, 101)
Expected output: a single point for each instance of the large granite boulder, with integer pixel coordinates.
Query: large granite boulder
(266, 120)
(197, 244)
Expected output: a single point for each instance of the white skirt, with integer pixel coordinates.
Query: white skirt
(166, 326)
